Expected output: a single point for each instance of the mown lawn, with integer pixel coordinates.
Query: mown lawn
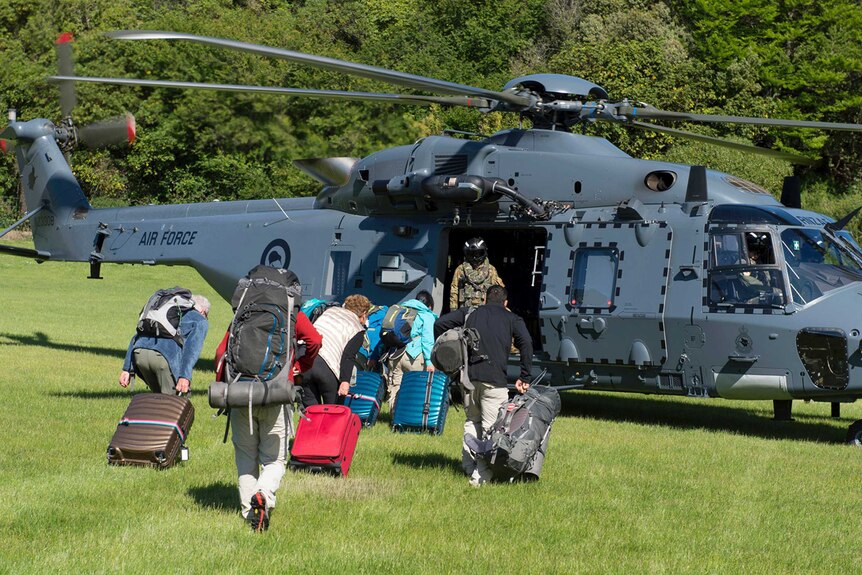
(632, 484)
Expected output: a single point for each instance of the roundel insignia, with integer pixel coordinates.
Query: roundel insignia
(510, 407)
(276, 254)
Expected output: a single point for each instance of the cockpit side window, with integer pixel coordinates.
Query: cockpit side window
(759, 248)
(742, 248)
(727, 250)
(743, 271)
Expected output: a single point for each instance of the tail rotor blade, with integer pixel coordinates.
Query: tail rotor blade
(114, 132)
(68, 100)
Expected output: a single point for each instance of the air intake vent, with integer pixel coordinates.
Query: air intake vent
(450, 165)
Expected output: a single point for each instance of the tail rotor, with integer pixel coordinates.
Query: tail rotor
(117, 131)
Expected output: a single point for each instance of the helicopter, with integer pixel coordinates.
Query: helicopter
(632, 275)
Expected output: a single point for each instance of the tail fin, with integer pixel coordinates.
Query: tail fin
(53, 197)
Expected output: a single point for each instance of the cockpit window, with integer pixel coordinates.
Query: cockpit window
(817, 264)
(751, 286)
(740, 276)
(742, 248)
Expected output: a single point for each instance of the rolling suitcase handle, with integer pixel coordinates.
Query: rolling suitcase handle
(365, 398)
(426, 408)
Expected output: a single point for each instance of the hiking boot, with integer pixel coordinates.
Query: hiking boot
(258, 517)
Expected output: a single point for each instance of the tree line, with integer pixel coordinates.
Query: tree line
(791, 59)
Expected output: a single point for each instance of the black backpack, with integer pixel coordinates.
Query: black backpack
(161, 315)
(262, 336)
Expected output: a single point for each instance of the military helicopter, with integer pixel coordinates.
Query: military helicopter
(633, 275)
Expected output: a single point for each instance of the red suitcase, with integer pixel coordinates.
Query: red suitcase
(325, 439)
(153, 430)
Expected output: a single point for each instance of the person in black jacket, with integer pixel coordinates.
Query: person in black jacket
(488, 391)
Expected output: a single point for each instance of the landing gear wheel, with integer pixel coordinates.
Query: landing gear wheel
(854, 434)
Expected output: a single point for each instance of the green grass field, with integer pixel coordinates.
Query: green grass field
(632, 484)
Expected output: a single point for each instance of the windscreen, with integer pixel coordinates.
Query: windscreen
(817, 264)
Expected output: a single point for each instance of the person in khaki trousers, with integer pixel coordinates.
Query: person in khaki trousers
(416, 355)
(260, 438)
(488, 392)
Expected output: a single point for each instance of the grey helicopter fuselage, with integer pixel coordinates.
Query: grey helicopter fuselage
(626, 282)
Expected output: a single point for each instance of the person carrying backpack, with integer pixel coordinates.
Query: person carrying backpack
(343, 330)
(164, 352)
(259, 433)
(497, 327)
(372, 348)
(415, 355)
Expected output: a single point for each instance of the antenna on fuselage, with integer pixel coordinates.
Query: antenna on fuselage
(791, 192)
(695, 192)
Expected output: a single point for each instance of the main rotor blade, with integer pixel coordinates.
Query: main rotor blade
(648, 112)
(373, 72)
(786, 156)
(467, 101)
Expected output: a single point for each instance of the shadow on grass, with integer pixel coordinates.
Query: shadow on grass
(428, 460)
(112, 394)
(218, 496)
(41, 339)
(384, 418)
(682, 415)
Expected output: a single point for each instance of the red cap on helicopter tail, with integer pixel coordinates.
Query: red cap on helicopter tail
(131, 128)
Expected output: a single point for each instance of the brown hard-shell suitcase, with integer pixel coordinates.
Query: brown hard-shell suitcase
(152, 431)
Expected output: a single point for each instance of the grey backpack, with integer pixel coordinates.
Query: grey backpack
(163, 312)
(452, 351)
(519, 436)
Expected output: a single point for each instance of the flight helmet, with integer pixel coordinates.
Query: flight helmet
(475, 251)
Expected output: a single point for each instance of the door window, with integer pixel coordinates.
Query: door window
(594, 277)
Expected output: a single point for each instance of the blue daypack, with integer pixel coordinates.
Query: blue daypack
(397, 326)
(371, 341)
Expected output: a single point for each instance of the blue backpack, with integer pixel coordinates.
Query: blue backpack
(397, 325)
(372, 333)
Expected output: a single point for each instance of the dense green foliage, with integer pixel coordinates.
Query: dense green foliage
(632, 483)
(791, 58)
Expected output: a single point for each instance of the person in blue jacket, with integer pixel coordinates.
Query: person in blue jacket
(163, 364)
(416, 355)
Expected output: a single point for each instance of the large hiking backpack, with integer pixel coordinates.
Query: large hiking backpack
(315, 307)
(397, 325)
(161, 315)
(519, 437)
(262, 335)
(452, 351)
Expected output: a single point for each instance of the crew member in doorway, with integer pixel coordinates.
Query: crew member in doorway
(473, 277)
